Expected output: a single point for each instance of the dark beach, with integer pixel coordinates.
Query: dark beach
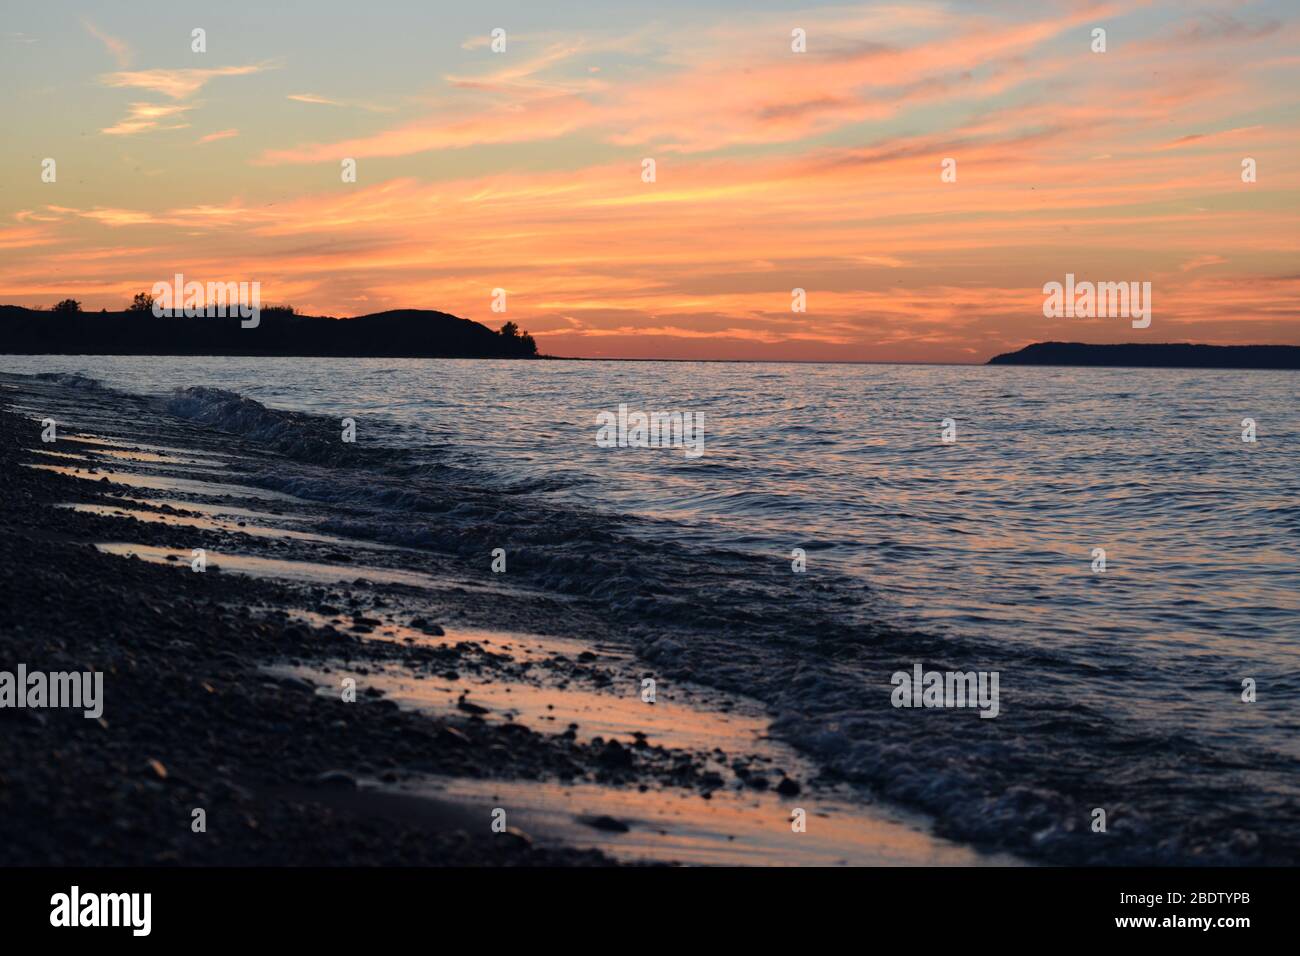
(190, 721)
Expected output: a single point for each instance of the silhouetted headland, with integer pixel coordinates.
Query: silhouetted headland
(402, 333)
(1154, 356)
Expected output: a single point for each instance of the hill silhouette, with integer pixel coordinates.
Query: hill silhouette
(1153, 356)
(400, 333)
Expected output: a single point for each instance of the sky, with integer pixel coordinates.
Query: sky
(524, 169)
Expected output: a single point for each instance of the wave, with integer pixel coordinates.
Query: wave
(297, 435)
(73, 380)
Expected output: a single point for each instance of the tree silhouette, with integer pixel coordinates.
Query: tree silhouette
(67, 306)
(143, 302)
(523, 342)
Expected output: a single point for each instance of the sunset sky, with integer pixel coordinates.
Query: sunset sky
(774, 169)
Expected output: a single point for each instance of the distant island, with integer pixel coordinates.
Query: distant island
(1154, 356)
(281, 331)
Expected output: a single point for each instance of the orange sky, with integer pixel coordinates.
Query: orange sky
(775, 170)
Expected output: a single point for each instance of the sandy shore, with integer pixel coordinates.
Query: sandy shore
(231, 691)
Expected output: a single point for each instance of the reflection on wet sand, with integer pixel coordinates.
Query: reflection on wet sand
(734, 823)
(185, 485)
(732, 828)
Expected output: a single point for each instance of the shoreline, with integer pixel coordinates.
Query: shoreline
(220, 688)
(987, 363)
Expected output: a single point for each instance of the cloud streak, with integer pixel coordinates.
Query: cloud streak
(146, 118)
(178, 83)
(117, 48)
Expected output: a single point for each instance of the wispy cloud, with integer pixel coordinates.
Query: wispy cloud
(177, 84)
(118, 48)
(222, 134)
(525, 75)
(315, 100)
(541, 118)
(722, 87)
(1200, 262)
(147, 118)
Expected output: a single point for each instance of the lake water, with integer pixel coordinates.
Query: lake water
(1120, 689)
